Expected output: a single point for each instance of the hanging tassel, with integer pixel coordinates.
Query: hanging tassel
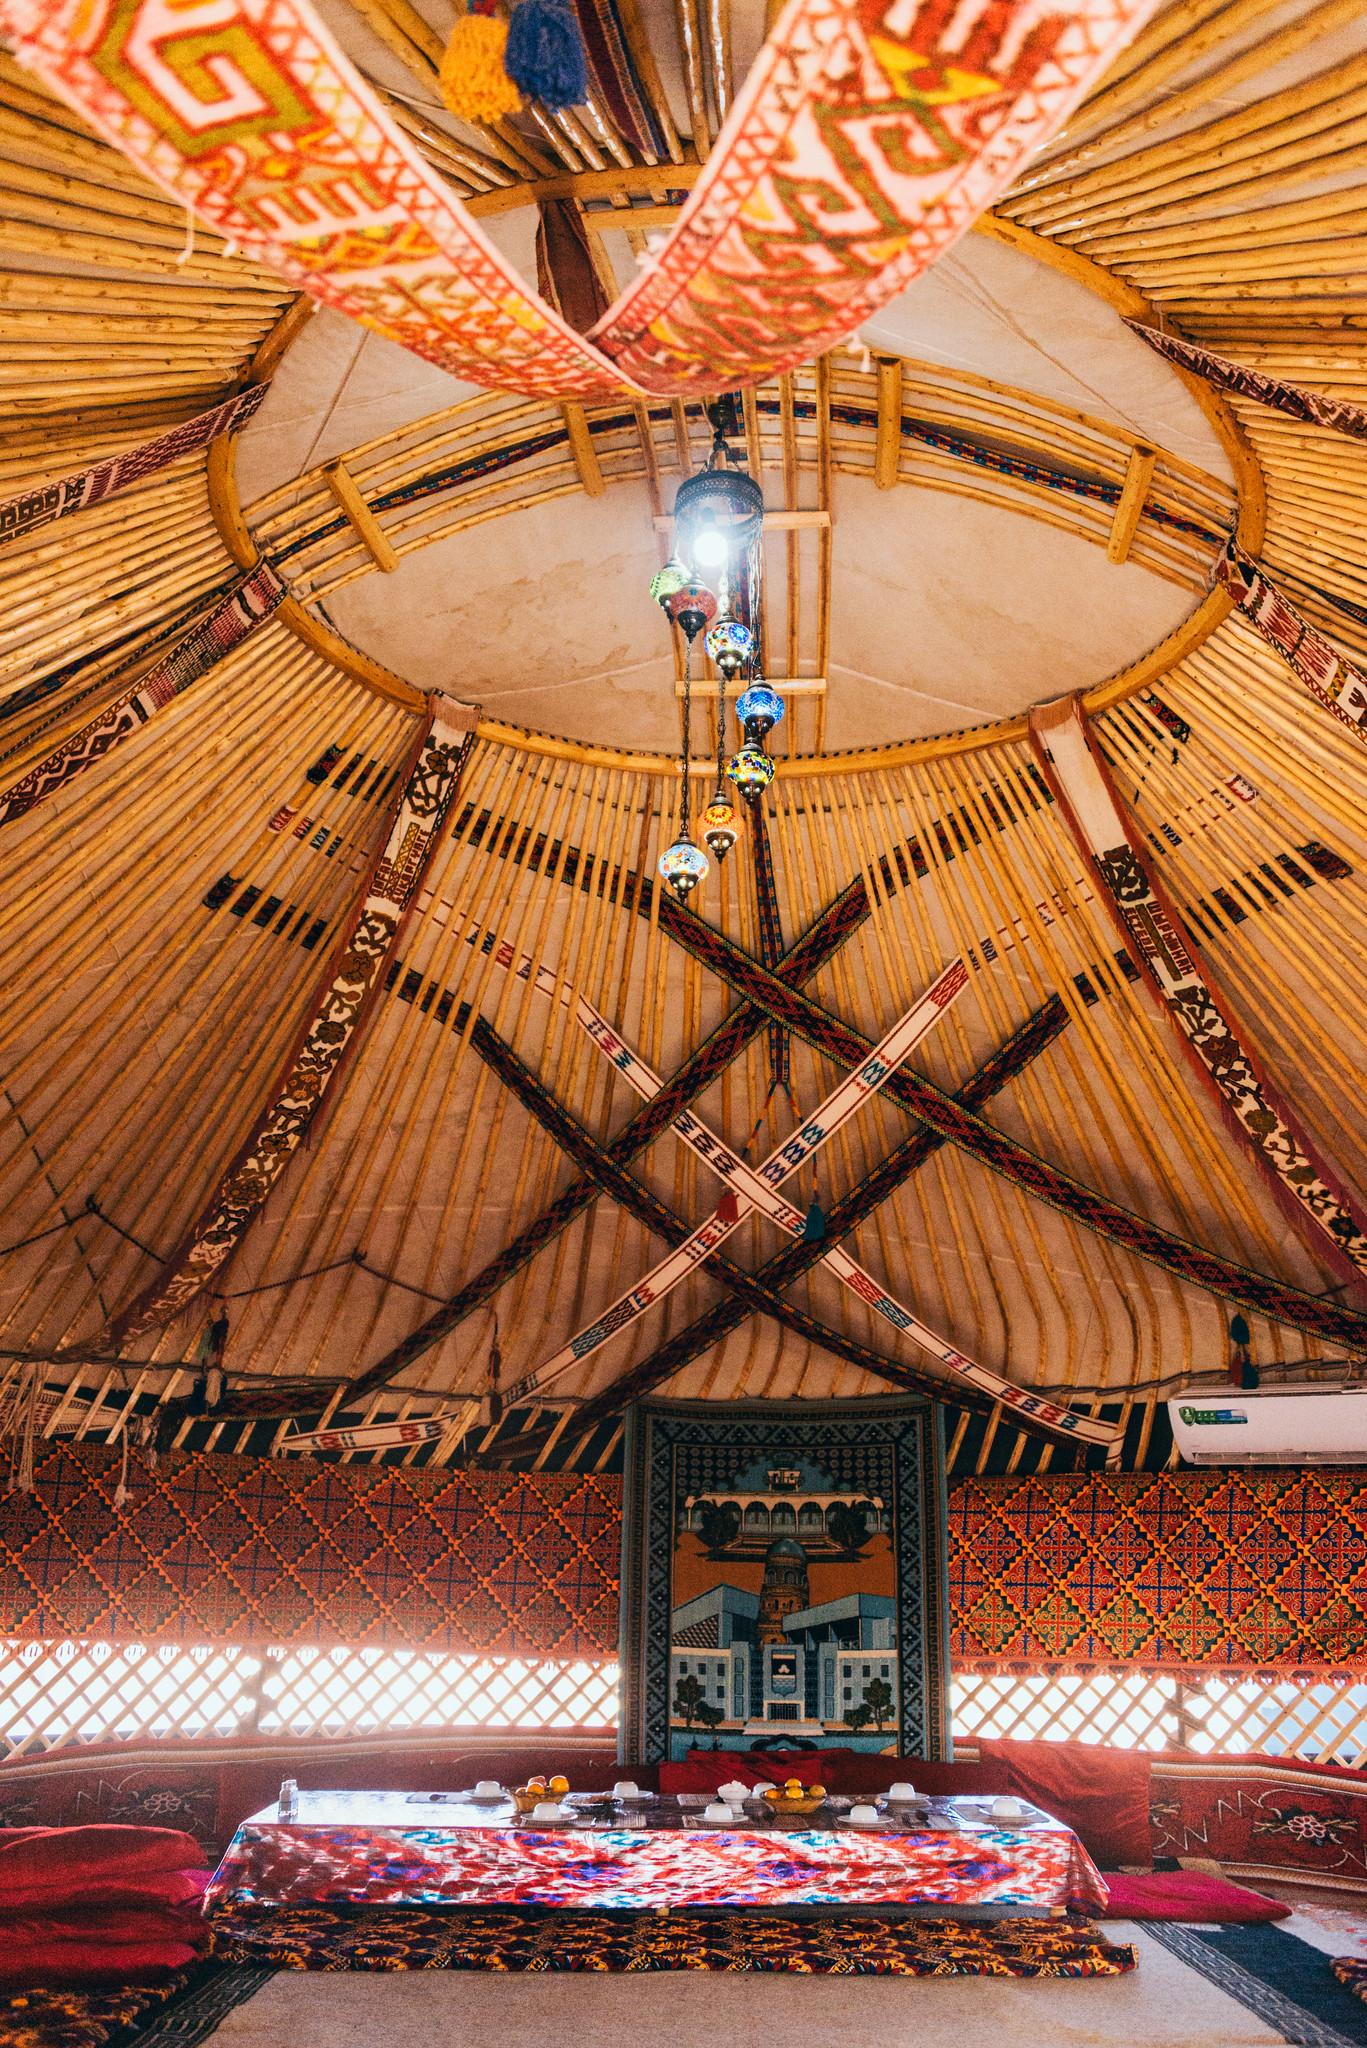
(495, 1369)
(121, 1490)
(473, 79)
(545, 53)
(814, 1223)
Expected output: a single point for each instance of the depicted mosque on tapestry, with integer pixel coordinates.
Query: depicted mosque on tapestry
(785, 1615)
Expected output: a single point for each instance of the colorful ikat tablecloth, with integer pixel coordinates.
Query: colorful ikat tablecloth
(358, 1851)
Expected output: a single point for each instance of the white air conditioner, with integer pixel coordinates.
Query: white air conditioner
(1285, 1426)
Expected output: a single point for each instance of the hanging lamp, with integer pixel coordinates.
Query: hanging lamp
(683, 865)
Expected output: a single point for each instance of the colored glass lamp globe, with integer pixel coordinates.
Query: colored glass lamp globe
(751, 770)
(683, 866)
(730, 644)
(690, 606)
(720, 822)
(759, 708)
(667, 580)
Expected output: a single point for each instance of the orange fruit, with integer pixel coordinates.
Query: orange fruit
(818, 1791)
(558, 1785)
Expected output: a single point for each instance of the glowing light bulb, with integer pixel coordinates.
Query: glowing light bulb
(709, 549)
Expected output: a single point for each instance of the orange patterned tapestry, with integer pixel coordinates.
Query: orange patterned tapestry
(868, 136)
(243, 1550)
(1238, 1570)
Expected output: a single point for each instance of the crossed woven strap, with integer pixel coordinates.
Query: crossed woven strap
(921, 1098)
(972, 1385)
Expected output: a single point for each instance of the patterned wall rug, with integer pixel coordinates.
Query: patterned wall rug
(783, 1575)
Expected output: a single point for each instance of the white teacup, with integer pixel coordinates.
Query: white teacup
(717, 1809)
(626, 1788)
(733, 1793)
(861, 1813)
(902, 1790)
(1007, 1808)
(760, 1787)
(548, 1809)
(488, 1788)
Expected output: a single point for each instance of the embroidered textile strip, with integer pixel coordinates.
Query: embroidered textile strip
(1023, 1045)
(1331, 679)
(866, 139)
(1150, 927)
(340, 1009)
(749, 1291)
(921, 1098)
(1317, 407)
(770, 927)
(845, 1099)
(981, 1387)
(717, 1051)
(950, 1118)
(1031, 1411)
(249, 602)
(69, 494)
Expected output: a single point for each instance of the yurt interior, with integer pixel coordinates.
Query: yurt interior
(683, 1155)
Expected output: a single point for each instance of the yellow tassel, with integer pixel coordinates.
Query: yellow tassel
(473, 82)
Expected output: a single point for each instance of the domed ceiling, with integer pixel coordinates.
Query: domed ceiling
(945, 549)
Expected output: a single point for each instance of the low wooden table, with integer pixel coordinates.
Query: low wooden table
(651, 1853)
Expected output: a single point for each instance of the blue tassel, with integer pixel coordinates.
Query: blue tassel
(814, 1224)
(545, 53)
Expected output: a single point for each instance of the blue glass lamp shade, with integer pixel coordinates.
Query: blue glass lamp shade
(759, 708)
(683, 866)
(751, 770)
(719, 823)
(730, 645)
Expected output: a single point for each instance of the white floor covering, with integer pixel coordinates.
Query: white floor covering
(1163, 2004)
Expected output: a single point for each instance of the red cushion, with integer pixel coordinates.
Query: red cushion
(1101, 1794)
(45, 1866)
(703, 1770)
(31, 1959)
(1186, 1895)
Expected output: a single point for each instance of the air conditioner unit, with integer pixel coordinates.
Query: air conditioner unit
(1312, 1425)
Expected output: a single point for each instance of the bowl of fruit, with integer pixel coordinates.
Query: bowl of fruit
(795, 1797)
(539, 1792)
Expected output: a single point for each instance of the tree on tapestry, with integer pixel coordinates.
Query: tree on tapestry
(848, 1524)
(688, 1699)
(718, 1525)
(879, 1701)
(858, 1717)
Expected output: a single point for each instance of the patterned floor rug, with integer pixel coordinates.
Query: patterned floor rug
(324, 1938)
(1288, 1984)
(178, 2012)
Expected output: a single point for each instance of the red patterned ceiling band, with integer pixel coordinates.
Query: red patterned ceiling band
(341, 1006)
(68, 494)
(868, 137)
(1332, 680)
(1318, 408)
(1152, 931)
(246, 604)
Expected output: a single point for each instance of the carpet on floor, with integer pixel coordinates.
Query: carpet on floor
(1351, 1972)
(178, 2012)
(1282, 1979)
(376, 1938)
